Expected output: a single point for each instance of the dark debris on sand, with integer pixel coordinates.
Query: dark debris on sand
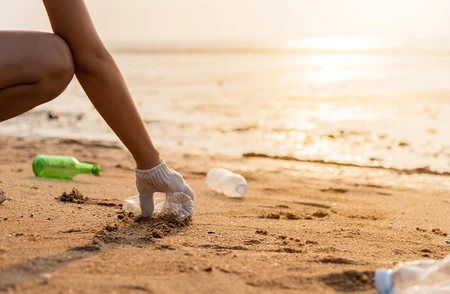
(73, 197)
(438, 232)
(350, 281)
(2, 195)
(320, 214)
(132, 230)
(76, 197)
(292, 216)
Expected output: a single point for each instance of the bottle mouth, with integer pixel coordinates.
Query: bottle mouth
(241, 189)
(383, 281)
(38, 163)
(96, 169)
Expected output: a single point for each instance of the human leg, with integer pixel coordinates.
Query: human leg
(35, 68)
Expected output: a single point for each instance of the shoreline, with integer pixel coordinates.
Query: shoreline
(418, 170)
(302, 227)
(115, 144)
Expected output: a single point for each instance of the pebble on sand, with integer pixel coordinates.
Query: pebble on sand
(2, 196)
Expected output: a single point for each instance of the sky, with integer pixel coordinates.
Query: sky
(219, 20)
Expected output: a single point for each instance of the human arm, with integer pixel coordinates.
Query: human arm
(101, 79)
(103, 83)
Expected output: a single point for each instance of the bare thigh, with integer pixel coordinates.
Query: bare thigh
(30, 57)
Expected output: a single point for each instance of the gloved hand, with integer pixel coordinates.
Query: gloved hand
(179, 196)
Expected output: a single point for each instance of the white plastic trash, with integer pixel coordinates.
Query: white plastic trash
(226, 182)
(420, 276)
(132, 204)
(177, 203)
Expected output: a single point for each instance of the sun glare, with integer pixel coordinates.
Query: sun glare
(333, 44)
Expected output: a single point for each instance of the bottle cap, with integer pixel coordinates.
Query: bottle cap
(241, 189)
(383, 281)
(96, 169)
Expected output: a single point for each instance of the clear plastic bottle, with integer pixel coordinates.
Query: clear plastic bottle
(420, 276)
(226, 182)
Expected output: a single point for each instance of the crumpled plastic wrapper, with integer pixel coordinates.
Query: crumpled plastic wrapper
(178, 204)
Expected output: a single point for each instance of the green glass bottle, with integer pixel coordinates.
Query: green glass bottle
(62, 167)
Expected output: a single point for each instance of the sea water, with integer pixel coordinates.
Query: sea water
(386, 108)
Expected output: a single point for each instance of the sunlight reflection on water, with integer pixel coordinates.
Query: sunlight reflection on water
(359, 108)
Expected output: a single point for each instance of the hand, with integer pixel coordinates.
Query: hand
(179, 196)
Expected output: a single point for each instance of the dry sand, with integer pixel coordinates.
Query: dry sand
(302, 228)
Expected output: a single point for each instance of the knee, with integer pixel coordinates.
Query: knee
(59, 69)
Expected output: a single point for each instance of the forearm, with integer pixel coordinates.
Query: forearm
(104, 85)
(108, 92)
(100, 77)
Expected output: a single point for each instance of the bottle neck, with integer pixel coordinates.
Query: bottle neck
(85, 168)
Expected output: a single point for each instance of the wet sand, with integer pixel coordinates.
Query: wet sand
(303, 228)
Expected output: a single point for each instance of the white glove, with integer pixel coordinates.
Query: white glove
(179, 196)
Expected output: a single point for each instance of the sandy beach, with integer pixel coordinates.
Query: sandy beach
(302, 227)
(337, 113)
